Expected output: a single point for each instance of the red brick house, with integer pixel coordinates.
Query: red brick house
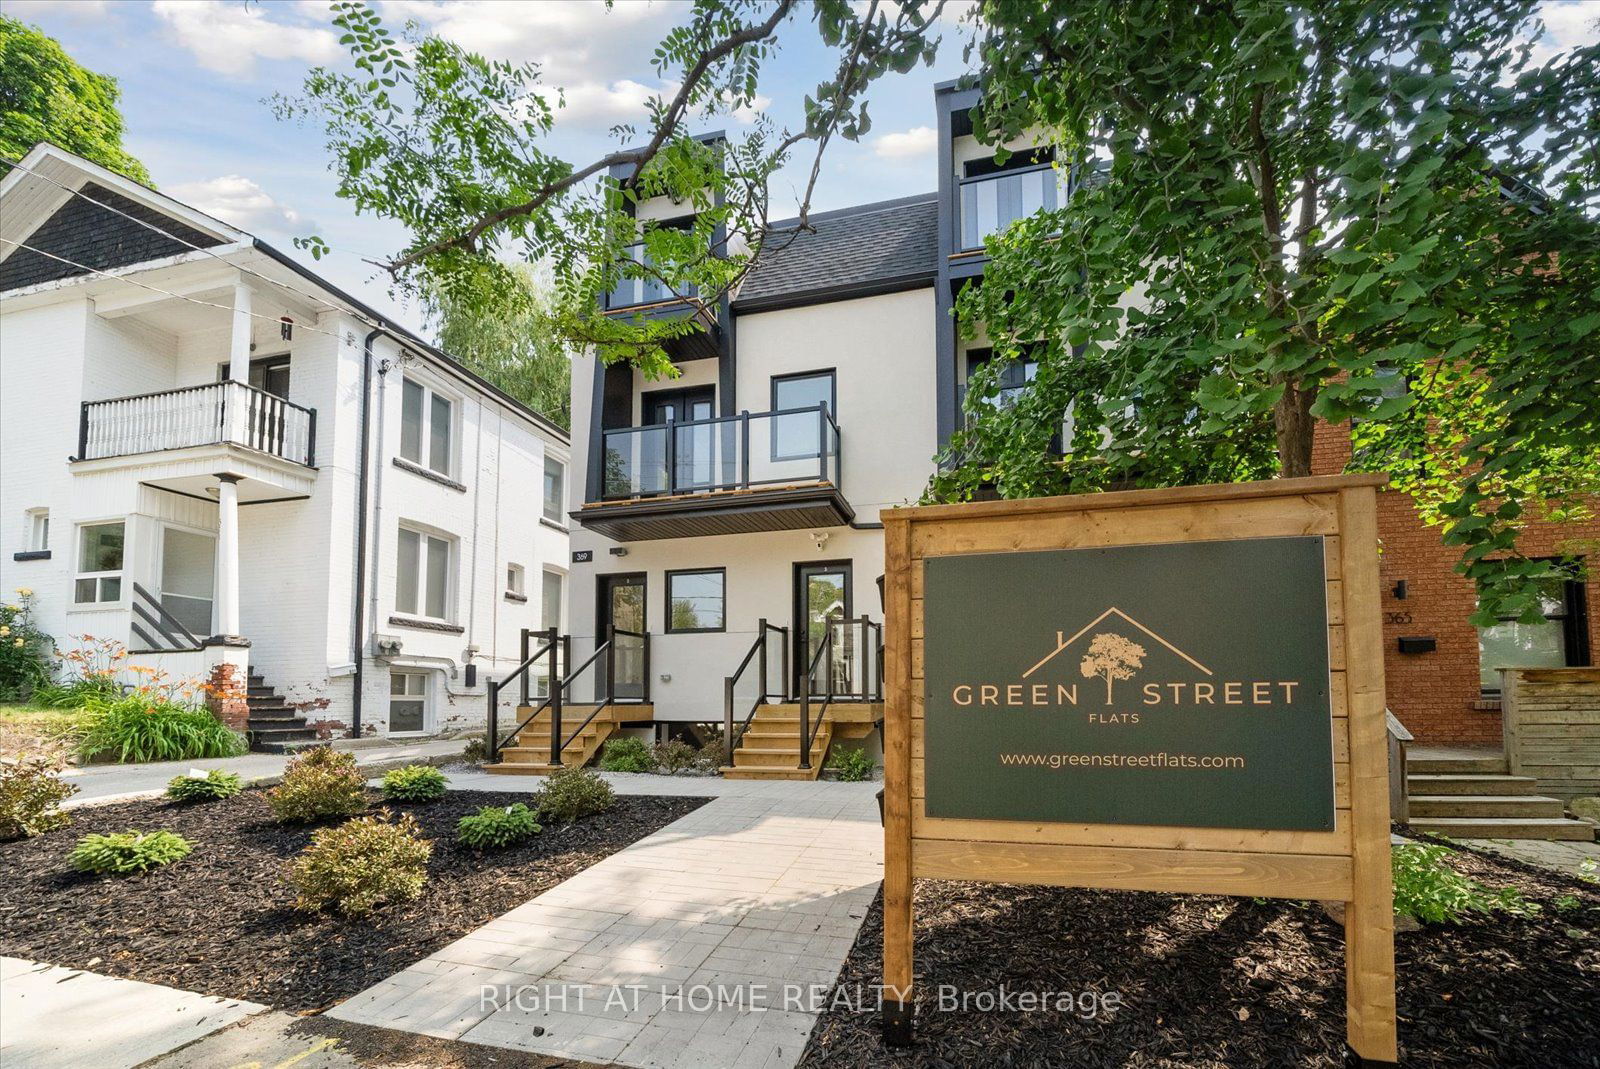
(1440, 669)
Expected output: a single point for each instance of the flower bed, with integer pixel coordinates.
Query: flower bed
(221, 921)
(1211, 981)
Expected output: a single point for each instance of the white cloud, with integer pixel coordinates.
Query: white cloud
(77, 10)
(1567, 26)
(917, 142)
(238, 200)
(620, 102)
(229, 38)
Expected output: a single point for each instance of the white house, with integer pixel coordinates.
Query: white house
(218, 458)
(734, 510)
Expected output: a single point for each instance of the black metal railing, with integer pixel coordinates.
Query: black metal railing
(847, 643)
(214, 413)
(157, 628)
(757, 652)
(557, 648)
(751, 449)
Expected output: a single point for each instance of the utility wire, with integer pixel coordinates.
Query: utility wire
(165, 233)
(158, 289)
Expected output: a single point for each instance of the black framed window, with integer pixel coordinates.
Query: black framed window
(798, 436)
(697, 601)
(1560, 640)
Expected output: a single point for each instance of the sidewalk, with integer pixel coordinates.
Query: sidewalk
(763, 888)
(52, 1017)
(115, 783)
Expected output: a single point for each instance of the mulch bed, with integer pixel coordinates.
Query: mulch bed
(1213, 981)
(221, 921)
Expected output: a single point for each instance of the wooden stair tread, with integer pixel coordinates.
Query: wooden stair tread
(1507, 828)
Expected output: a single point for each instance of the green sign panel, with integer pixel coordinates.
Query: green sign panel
(1180, 684)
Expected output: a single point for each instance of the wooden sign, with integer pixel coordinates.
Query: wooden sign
(1169, 690)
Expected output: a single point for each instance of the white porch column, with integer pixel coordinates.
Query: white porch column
(227, 556)
(239, 351)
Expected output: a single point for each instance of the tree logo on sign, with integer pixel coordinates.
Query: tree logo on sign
(1111, 657)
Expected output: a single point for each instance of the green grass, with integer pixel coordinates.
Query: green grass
(31, 729)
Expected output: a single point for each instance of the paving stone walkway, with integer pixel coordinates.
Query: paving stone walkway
(1565, 855)
(695, 947)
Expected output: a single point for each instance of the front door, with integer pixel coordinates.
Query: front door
(188, 571)
(693, 453)
(820, 591)
(621, 604)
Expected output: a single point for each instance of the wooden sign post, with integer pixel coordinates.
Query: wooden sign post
(1168, 690)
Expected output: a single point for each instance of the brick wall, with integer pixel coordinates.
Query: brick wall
(1437, 695)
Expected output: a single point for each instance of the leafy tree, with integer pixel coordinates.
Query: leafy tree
(1284, 213)
(518, 348)
(1111, 657)
(452, 146)
(46, 96)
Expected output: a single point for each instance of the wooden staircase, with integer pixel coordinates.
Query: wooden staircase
(1474, 798)
(530, 755)
(770, 748)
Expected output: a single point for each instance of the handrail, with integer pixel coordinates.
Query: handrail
(161, 621)
(808, 732)
(493, 688)
(729, 735)
(219, 383)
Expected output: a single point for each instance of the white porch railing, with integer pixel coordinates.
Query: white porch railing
(218, 412)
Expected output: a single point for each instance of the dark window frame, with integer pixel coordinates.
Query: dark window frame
(271, 360)
(833, 408)
(667, 607)
(682, 396)
(1574, 617)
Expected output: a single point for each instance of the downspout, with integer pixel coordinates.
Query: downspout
(357, 640)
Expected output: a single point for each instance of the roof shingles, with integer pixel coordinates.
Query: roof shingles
(853, 251)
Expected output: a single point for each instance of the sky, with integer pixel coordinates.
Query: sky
(196, 74)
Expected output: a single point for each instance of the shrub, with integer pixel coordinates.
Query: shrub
(476, 751)
(1427, 888)
(30, 798)
(356, 865)
(627, 754)
(853, 765)
(675, 755)
(713, 756)
(138, 728)
(414, 783)
(572, 793)
(204, 786)
(497, 827)
(317, 784)
(89, 674)
(125, 853)
(23, 649)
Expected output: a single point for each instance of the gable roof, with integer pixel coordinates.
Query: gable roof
(854, 252)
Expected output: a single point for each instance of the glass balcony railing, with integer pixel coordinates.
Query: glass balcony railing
(752, 449)
(631, 292)
(992, 202)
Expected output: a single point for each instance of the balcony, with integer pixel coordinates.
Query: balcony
(992, 202)
(218, 413)
(757, 471)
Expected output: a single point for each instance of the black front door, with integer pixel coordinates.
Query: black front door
(621, 603)
(821, 590)
(693, 448)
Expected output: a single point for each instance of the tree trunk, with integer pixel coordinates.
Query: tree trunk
(1295, 427)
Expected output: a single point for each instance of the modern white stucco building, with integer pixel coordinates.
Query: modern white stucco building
(214, 456)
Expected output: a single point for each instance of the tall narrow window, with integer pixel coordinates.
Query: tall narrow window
(38, 530)
(554, 479)
(798, 436)
(423, 575)
(408, 703)
(550, 600)
(99, 563)
(426, 426)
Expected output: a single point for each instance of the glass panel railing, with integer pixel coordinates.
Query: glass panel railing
(993, 202)
(630, 292)
(791, 446)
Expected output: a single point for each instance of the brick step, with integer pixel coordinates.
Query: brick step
(1506, 828)
(1518, 806)
(1492, 765)
(1475, 784)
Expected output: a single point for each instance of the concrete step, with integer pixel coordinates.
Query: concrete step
(1518, 806)
(1509, 828)
(1470, 784)
(275, 712)
(1494, 765)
